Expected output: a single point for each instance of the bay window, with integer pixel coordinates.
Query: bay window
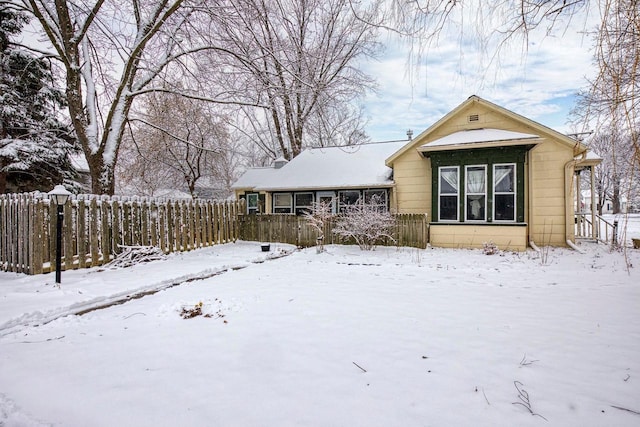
(484, 185)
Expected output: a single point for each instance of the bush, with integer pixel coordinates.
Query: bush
(366, 223)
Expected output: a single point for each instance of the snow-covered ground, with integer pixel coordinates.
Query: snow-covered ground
(393, 337)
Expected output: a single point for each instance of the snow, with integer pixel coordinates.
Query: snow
(333, 168)
(473, 136)
(393, 337)
(253, 177)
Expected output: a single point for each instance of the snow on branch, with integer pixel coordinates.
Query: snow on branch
(366, 222)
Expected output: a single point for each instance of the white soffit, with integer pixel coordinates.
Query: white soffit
(484, 137)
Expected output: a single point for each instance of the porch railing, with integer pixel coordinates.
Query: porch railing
(602, 231)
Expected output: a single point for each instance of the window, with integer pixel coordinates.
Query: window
(476, 193)
(303, 202)
(327, 197)
(377, 198)
(348, 197)
(252, 203)
(448, 193)
(504, 192)
(282, 203)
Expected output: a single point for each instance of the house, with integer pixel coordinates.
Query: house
(481, 173)
(339, 175)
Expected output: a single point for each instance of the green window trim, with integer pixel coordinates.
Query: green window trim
(489, 157)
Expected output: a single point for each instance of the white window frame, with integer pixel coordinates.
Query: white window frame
(441, 194)
(341, 205)
(276, 206)
(514, 192)
(253, 209)
(384, 203)
(327, 194)
(295, 201)
(467, 193)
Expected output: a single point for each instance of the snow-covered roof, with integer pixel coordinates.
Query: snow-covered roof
(253, 177)
(329, 168)
(477, 136)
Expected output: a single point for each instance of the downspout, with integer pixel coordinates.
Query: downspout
(530, 198)
(569, 169)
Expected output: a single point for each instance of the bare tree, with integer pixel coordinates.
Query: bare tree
(613, 174)
(298, 59)
(613, 97)
(177, 143)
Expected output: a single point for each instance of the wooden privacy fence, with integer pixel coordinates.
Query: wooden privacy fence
(96, 227)
(410, 230)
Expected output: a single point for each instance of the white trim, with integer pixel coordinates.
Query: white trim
(295, 200)
(514, 192)
(468, 193)
(256, 208)
(332, 194)
(440, 194)
(274, 206)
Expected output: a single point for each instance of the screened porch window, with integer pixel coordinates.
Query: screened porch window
(252, 203)
(282, 203)
(303, 202)
(348, 197)
(476, 193)
(504, 192)
(377, 198)
(448, 193)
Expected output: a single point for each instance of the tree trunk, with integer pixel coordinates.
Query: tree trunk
(615, 199)
(3, 181)
(102, 177)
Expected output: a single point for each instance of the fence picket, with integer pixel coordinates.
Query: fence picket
(94, 228)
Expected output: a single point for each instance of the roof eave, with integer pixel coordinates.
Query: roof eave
(472, 146)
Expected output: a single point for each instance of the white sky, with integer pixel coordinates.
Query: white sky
(540, 84)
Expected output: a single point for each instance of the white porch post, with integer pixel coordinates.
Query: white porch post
(595, 227)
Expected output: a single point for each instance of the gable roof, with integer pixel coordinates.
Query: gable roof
(540, 130)
(359, 166)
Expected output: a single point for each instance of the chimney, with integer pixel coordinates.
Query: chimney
(280, 162)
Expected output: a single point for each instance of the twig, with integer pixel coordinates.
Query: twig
(524, 397)
(625, 409)
(131, 315)
(363, 370)
(525, 362)
(485, 397)
(38, 342)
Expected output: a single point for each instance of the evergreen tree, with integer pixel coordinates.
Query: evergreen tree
(34, 144)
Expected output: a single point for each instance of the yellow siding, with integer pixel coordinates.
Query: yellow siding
(545, 199)
(412, 175)
(547, 216)
(474, 236)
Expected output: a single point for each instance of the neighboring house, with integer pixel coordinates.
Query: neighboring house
(481, 173)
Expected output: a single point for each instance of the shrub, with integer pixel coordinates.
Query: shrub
(365, 223)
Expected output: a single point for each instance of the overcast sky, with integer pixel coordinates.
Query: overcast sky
(540, 84)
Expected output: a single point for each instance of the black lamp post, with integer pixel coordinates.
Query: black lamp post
(59, 195)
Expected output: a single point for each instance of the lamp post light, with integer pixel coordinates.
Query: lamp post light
(59, 195)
